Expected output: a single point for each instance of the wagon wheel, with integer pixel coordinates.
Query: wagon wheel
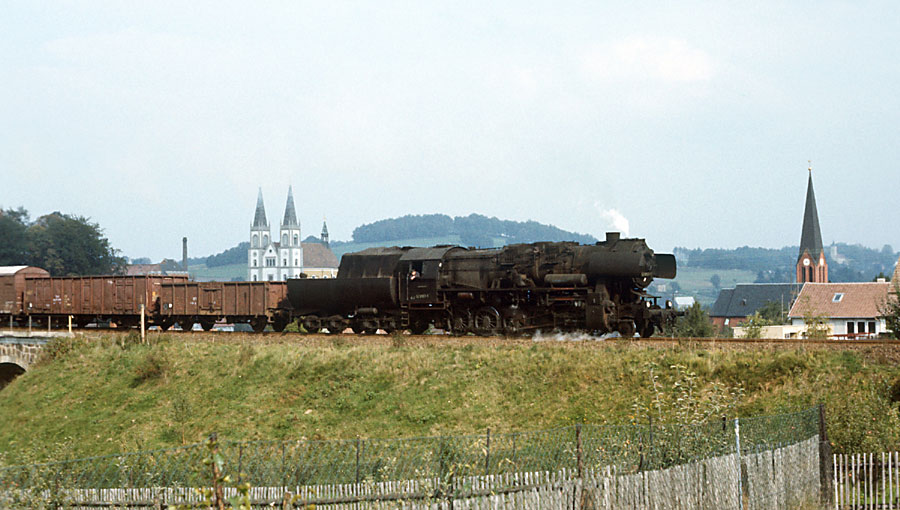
(336, 325)
(166, 324)
(207, 323)
(487, 321)
(188, 324)
(459, 324)
(259, 324)
(312, 324)
(279, 324)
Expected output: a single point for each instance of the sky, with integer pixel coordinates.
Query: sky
(686, 123)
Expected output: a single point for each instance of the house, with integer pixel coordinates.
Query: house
(851, 309)
(683, 302)
(733, 306)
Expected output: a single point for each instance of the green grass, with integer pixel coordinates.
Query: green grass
(99, 397)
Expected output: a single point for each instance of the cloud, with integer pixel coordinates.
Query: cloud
(615, 220)
(640, 58)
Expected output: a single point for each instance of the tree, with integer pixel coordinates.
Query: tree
(754, 325)
(694, 324)
(773, 312)
(13, 242)
(715, 280)
(890, 311)
(71, 245)
(816, 324)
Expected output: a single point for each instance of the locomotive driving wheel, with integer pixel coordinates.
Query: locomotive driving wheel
(487, 321)
(645, 328)
(626, 328)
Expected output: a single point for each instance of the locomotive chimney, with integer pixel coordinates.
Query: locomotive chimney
(184, 252)
(612, 237)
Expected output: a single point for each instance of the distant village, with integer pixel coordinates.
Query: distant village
(845, 310)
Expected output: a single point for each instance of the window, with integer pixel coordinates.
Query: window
(271, 277)
(254, 262)
(284, 262)
(270, 261)
(284, 239)
(860, 327)
(872, 327)
(296, 240)
(266, 239)
(255, 240)
(838, 296)
(850, 327)
(254, 278)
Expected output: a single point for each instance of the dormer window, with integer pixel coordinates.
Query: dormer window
(838, 296)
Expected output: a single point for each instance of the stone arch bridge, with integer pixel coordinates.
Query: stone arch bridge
(18, 354)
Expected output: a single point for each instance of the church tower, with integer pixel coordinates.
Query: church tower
(290, 249)
(259, 241)
(324, 233)
(811, 264)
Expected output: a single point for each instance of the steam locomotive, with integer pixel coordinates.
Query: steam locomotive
(516, 289)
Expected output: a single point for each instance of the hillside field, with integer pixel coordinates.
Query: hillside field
(104, 394)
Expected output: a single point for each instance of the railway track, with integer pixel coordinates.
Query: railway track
(551, 337)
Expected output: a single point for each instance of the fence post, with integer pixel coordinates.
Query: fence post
(578, 455)
(825, 459)
(357, 460)
(487, 453)
(737, 450)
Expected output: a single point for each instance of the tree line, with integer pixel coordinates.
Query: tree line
(63, 244)
(856, 263)
(473, 230)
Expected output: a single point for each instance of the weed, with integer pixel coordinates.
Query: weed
(154, 365)
(246, 353)
(398, 340)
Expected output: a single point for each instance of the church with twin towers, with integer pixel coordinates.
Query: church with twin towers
(286, 256)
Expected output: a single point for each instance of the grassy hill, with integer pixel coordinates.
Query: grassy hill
(107, 394)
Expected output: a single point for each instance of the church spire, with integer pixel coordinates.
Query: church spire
(811, 263)
(811, 235)
(290, 215)
(259, 219)
(324, 233)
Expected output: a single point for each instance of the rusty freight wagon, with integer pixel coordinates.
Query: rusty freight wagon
(116, 299)
(12, 289)
(255, 303)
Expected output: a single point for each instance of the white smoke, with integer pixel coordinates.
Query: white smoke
(615, 220)
(570, 337)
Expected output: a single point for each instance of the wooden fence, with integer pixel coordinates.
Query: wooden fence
(784, 478)
(867, 480)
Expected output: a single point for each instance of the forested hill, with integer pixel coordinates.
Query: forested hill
(846, 262)
(427, 230)
(473, 230)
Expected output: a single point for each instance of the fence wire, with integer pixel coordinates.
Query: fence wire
(429, 467)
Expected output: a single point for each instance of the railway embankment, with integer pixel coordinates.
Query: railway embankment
(103, 393)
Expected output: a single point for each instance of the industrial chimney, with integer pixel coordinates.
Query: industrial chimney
(184, 252)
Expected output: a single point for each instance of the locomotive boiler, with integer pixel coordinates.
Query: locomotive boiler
(521, 288)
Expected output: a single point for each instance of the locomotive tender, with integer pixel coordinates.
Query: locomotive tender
(519, 288)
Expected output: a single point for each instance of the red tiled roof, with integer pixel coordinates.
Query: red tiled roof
(859, 300)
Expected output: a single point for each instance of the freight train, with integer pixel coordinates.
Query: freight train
(29, 295)
(560, 286)
(513, 290)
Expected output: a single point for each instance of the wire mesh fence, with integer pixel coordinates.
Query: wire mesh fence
(710, 460)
